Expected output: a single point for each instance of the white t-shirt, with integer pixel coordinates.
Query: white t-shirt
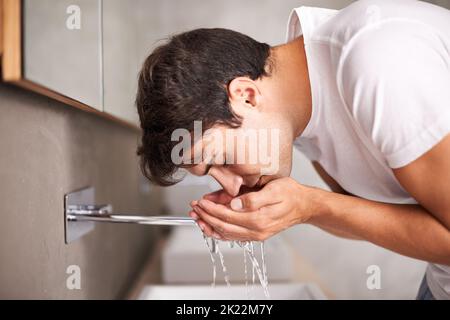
(380, 84)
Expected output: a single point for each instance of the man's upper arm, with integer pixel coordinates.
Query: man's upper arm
(427, 179)
(395, 83)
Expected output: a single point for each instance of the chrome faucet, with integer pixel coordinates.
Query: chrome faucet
(103, 213)
(80, 215)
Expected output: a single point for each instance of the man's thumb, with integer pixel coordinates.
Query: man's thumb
(236, 204)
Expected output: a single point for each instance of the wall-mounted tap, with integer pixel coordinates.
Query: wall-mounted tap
(81, 212)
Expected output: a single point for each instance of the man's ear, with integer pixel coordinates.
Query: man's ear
(243, 92)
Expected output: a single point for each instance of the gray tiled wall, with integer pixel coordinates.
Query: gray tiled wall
(46, 150)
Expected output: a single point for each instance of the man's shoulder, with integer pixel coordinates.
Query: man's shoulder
(350, 21)
(378, 21)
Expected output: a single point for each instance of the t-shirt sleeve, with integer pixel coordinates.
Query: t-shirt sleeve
(395, 82)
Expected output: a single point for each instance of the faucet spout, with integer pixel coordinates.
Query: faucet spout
(103, 213)
(81, 215)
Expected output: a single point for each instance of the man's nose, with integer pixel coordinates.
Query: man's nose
(229, 181)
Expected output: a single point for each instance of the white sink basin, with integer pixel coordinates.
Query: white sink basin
(186, 260)
(278, 291)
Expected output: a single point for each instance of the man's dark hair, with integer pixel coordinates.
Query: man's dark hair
(186, 79)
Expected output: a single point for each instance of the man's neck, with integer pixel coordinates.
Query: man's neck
(291, 71)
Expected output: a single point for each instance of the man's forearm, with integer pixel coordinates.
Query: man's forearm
(338, 233)
(407, 229)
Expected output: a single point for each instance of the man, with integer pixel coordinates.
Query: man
(363, 92)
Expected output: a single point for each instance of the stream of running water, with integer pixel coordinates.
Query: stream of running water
(249, 254)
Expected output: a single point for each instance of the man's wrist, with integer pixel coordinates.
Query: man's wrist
(319, 205)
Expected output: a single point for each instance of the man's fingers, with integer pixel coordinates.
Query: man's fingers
(255, 200)
(219, 196)
(193, 203)
(202, 224)
(193, 215)
(223, 229)
(227, 215)
(205, 227)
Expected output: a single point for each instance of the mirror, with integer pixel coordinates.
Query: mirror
(122, 46)
(62, 48)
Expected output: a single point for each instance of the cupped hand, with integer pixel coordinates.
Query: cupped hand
(255, 215)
